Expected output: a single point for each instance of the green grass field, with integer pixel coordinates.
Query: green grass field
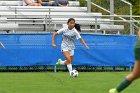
(60, 82)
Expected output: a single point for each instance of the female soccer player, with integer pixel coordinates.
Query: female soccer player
(135, 73)
(67, 46)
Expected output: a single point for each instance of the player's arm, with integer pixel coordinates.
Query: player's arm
(54, 35)
(78, 36)
(53, 39)
(84, 43)
(139, 33)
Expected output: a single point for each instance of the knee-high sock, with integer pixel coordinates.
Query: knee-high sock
(69, 66)
(124, 84)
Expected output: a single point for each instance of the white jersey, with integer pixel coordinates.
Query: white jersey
(68, 38)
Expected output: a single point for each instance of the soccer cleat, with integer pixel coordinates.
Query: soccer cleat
(58, 62)
(113, 90)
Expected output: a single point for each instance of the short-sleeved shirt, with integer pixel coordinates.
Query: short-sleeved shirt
(68, 37)
(137, 45)
(31, 1)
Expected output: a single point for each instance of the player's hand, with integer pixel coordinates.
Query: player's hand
(53, 45)
(1, 44)
(87, 47)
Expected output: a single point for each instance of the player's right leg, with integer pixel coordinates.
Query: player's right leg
(68, 60)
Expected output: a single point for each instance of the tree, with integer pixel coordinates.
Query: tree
(136, 6)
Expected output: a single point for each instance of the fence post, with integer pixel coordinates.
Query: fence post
(89, 6)
(131, 21)
(54, 68)
(96, 24)
(46, 23)
(130, 68)
(112, 10)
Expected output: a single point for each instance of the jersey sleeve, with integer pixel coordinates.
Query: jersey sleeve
(60, 31)
(78, 36)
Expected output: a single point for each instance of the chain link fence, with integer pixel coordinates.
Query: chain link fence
(120, 8)
(51, 68)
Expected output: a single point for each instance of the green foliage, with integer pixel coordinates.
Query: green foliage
(136, 6)
(120, 8)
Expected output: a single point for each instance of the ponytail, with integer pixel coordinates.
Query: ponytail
(77, 27)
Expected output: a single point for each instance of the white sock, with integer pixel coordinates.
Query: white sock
(69, 66)
(62, 62)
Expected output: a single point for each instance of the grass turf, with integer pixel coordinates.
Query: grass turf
(60, 82)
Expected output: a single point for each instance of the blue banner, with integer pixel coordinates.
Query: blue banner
(36, 49)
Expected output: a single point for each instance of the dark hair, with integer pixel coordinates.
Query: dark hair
(71, 19)
(77, 26)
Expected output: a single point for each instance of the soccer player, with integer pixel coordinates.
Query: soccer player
(135, 73)
(69, 34)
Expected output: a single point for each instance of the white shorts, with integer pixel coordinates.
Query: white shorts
(71, 52)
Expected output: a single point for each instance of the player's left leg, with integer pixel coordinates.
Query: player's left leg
(60, 62)
(71, 52)
(128, 80)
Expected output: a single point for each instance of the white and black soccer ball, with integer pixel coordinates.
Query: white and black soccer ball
(74, 73)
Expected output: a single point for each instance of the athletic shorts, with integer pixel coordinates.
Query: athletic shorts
(71, 52)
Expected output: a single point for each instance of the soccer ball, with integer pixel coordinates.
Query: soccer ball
(74, 73)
